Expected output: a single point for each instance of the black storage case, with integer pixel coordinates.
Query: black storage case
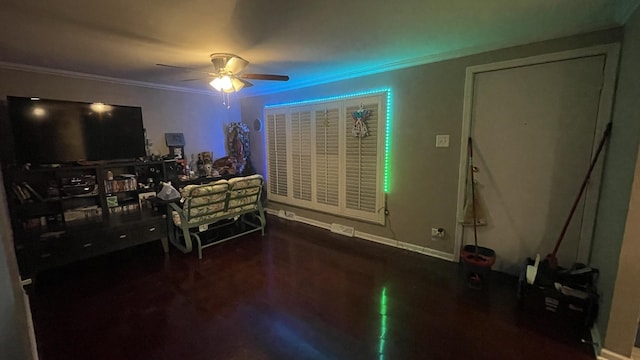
(543, 298)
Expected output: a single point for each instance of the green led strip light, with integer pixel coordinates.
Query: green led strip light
(383, 323)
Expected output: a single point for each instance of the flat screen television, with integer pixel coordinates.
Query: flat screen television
(49, 131)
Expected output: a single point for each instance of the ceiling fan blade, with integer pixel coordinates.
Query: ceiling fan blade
(227, 63)
(193, 79)
(245, 82)
(183, 68)
(236, 64)
(264, 77)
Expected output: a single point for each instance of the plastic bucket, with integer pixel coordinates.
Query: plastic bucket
(477, 264)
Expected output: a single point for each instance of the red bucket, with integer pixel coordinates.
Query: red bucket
(477, 264)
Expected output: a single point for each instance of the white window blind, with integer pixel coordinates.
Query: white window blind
(327, 156)
(301, 155)
(362, 164)
(277, 150)
(315, 161)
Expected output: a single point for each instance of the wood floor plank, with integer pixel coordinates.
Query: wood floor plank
(299, 292)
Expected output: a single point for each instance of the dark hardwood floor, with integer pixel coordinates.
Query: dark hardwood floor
(297, 293)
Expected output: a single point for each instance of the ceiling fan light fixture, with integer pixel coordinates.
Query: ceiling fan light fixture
(237, 84)
(226, 78)
(226, 83)
(216, 83)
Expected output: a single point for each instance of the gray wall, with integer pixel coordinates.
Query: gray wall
(617, 324)
(427, 100)
(14, 330)
(200, 117)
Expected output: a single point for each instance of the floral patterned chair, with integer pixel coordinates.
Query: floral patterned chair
(206, 208)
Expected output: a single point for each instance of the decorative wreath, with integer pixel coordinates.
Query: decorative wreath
(359, 125)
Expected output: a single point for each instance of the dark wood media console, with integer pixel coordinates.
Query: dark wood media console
(67, 213)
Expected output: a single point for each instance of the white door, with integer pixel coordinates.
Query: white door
(533, 128)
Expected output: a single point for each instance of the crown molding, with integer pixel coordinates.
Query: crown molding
(87, 76)
(402, 64)
(278, 88)
(624, 12)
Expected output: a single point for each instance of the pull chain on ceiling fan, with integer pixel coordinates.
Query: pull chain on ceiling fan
(226, 75)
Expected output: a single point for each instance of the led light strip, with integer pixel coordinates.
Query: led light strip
(387, 139)
(383, 323)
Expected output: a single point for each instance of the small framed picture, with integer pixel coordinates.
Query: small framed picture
(112, 201)
(174, 139)
(176, 152)
(143, 199)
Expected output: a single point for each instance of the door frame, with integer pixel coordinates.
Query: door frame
(611, 52)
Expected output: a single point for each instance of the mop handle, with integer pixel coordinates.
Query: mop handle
(606, 134)
(473, 197)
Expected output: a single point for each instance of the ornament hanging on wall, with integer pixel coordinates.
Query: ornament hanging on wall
(326, 118)
(359, 122)
(238, 143)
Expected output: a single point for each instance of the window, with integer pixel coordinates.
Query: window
(316, 161)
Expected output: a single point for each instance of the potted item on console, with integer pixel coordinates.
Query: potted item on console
(207, 160)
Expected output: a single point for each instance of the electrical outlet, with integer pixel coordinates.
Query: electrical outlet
(437, 232)
(442, 141)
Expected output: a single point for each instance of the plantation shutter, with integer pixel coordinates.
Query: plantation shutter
(315, 161)
(301, 155)
(277, 153)
(361, 163)
(327, 156)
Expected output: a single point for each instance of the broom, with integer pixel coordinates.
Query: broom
(551, 259)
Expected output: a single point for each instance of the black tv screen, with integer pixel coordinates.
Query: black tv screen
(49, 131)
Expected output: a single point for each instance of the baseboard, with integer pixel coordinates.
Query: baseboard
(610, 355)
(288, 215)
(33, 345)
(596, 340)
(365, 236)
(605, 354)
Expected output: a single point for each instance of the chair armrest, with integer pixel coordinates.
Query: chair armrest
(177, 215)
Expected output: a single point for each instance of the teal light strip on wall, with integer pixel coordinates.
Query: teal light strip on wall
(331, 98)
(387, 143)
(383, 323)
(387, 136)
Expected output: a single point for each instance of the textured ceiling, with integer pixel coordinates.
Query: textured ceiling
(311, 41)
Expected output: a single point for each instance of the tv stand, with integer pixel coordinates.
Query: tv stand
(56, 221)
(121, 161)
(91, 162)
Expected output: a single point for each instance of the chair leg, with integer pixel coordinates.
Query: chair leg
(187, 240)
(199, 244)
(262, 218)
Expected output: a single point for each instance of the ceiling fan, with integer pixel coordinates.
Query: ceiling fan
(226, 73)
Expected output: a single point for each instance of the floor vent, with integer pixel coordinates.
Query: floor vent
(287, 214)
(342, 229)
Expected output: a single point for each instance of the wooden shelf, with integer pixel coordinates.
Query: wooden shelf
(52, 231)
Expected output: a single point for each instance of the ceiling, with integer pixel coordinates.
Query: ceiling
(311, 41)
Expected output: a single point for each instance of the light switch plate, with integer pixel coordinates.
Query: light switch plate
(442, 140)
